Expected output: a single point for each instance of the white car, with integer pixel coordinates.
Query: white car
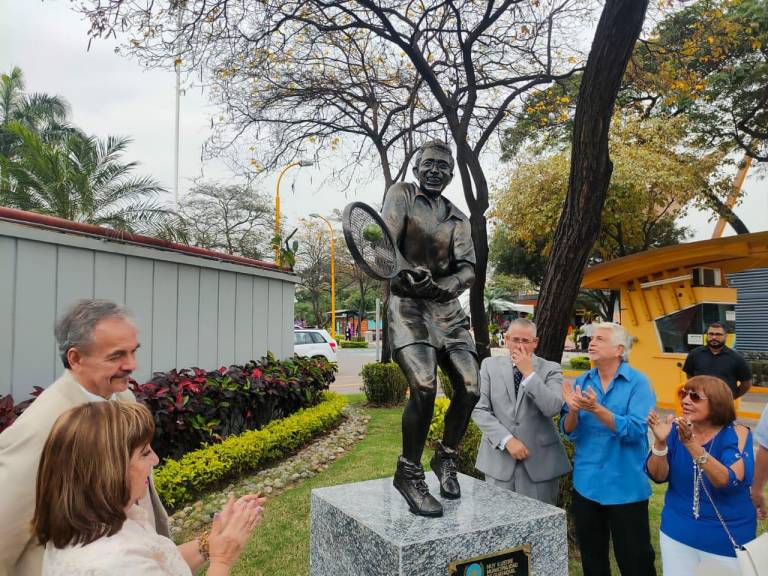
(313, 342)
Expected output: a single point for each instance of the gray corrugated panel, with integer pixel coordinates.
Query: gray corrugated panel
(227, 283)
(139, 290)
(260, 315)
(751, 308)
(7, 281)
(244, 319)
(287, 321)
(208, 338)
(34, 318)
(164, 316)
(275, 317)
(186, 315)
(109, 277)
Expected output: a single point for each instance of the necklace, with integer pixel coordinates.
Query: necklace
(698, 477)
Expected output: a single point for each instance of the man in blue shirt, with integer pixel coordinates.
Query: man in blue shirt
(605, 416)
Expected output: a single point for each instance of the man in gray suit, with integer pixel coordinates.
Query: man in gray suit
(521, 448)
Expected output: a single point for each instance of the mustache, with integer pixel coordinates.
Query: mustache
(122, 375)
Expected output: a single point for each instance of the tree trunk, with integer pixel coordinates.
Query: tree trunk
(477, 291)
(617, 31)
(726, 213)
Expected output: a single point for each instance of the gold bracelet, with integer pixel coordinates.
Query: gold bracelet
(203, 546)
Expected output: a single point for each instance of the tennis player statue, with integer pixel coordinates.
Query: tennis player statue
(427, 326)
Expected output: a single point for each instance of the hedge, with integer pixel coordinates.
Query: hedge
(581, 363)
(181, 481)
(353, 343)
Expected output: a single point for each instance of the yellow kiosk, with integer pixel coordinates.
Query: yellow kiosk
(669, 295)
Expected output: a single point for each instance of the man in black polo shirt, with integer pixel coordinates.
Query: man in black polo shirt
(716, 359)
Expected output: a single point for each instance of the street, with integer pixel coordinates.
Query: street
(351, 362)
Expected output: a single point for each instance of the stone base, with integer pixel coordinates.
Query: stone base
(366, 529)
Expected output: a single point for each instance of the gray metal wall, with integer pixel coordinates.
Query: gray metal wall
(751, 309)
(190, 311)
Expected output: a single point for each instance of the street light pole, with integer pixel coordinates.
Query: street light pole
(277, 204)
(333, 276)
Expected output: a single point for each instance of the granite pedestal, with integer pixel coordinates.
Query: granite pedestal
(366, 529)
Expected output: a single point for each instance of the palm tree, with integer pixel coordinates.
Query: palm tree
(82, 178)
(43, 113)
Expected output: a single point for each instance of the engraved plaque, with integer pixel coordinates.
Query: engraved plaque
(509, 562)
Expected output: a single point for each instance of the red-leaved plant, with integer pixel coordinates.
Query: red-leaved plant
(10, 411)
(193, 407)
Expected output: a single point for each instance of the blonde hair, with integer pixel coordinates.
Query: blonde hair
(82, 481)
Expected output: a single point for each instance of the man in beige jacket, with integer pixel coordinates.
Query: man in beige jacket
(97, 342)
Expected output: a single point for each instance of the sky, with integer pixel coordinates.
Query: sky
(114, 95)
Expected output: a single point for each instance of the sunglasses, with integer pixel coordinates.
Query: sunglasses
(692, 394)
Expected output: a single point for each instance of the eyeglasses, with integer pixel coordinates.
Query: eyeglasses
(520, 341)
(692, 394)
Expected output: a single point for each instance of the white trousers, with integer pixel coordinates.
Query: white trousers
(679, 559)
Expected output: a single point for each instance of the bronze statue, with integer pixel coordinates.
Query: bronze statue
(427, 326)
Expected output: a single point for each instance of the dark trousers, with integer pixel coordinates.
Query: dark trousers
(625, 524)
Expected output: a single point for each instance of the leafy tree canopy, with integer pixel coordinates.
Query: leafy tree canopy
(235, 218)
(706, 62)
(655, 180)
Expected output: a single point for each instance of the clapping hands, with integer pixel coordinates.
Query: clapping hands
(232, 528)
(684, 430)
(578, 399)
(661, 427)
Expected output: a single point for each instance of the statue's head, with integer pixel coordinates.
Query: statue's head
(433, 167)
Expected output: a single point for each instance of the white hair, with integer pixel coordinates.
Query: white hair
(619, 336)
(523, 323)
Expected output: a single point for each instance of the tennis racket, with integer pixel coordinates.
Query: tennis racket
(371, 243)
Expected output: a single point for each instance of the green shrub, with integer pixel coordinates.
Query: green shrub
(384, 383)
(580, 363)
(445, 383)
(181, 481)
(353, 343)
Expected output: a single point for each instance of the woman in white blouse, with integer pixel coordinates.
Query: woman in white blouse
(94, 469)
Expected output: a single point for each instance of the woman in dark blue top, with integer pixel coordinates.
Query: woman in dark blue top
(707, 460)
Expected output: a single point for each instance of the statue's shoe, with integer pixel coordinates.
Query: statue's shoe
(410, 482)
(444, 466)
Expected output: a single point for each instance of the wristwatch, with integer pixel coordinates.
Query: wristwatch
(699, 460)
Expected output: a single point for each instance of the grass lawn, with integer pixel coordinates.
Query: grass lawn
(280, 546)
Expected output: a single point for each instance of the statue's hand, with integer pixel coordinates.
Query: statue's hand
(414, 283)
(446, 289)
